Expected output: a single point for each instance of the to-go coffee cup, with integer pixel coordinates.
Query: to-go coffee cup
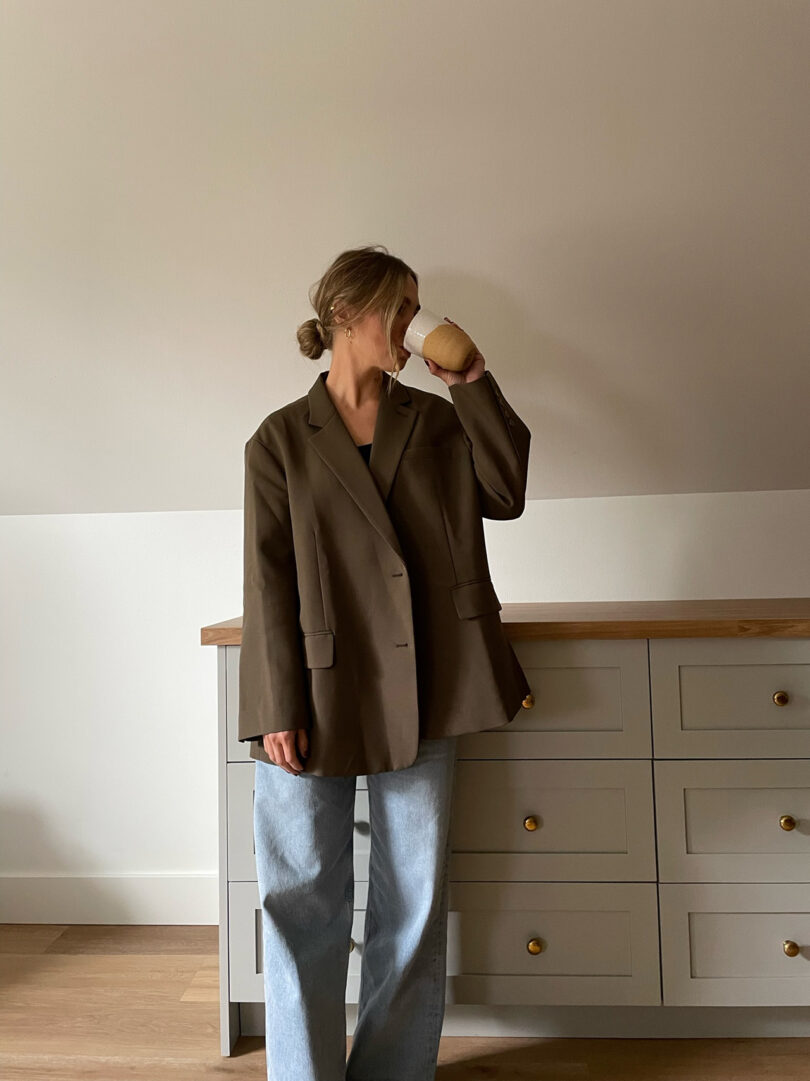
(444, 343)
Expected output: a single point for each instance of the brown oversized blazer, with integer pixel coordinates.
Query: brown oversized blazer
(370, 617)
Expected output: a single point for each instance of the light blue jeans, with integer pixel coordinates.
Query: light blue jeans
(303, 832)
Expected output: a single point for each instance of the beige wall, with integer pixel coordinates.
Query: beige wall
(608, 195)
(611, 196)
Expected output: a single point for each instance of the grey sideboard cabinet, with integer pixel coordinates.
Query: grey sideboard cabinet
(638, 836)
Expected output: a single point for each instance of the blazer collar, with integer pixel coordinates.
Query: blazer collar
(370, 484)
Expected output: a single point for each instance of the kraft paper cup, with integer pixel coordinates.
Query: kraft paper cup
(451, 348)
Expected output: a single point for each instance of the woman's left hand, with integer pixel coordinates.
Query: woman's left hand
(472, 372)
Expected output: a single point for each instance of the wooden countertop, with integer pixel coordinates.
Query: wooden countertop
(760, 617)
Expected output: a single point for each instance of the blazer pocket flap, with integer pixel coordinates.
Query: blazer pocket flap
(475, 598)
(319, 649)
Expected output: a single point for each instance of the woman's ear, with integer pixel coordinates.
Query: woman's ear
(340, 314)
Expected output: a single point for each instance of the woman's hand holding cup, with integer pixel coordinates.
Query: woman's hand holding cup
(472, 372)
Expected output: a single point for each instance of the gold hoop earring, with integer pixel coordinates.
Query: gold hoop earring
(348, 332)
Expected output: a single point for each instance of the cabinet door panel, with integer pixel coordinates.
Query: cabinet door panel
(723, 945)
(598, 943)
(731, 697)
(720, 821)
(593, 820)
(591, 699)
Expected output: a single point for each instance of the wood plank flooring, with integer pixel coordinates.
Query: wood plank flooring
(103, 1003)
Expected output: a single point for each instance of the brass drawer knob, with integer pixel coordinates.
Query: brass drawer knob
(787, 822)
(535, 945)
(528, 701)
(351, 944)
(530, 822)
(781, 698)
(790, 948)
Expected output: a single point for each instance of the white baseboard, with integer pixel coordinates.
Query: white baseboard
(114, 899)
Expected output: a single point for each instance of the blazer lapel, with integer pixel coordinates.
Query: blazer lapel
(369, 485)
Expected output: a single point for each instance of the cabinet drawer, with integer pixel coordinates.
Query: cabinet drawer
(246, 969)
(241, 847)
(722, 821)
(723, 945)
(599, 943)
(731, 697)
(592, 821)
(591, 699)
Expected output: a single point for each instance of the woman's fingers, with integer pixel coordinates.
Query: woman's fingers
(290, 760)
(280, 749)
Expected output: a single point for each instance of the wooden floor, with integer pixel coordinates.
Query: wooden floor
(99, 1003)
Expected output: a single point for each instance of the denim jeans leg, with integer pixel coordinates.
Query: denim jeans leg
(303, 834)
(403, 969)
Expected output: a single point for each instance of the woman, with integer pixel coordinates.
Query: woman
(370, 640)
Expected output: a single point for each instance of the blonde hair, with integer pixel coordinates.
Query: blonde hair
(359, 281)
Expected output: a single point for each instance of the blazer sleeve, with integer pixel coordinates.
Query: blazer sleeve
(273, 692)
(498, 441)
